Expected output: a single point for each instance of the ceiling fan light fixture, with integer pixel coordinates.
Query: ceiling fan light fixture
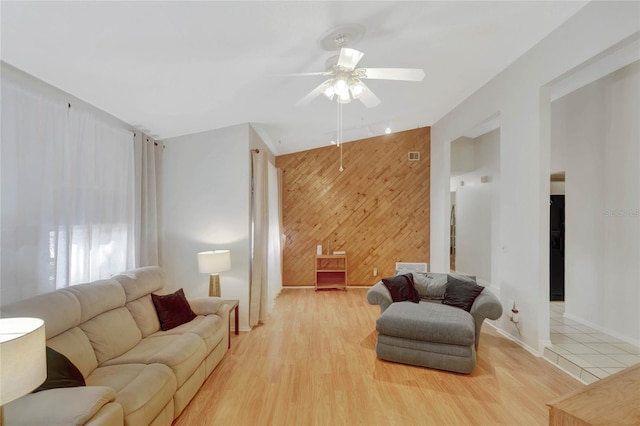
(341, 86)
(330, 91)
(356, 89)
(344, 97)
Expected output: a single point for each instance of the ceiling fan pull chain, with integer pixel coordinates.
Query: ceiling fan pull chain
(340, 131)
(339, 124)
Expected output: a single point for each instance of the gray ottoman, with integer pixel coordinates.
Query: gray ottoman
(427, 334)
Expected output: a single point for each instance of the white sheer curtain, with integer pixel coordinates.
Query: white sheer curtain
(67, 195)
(148, 160)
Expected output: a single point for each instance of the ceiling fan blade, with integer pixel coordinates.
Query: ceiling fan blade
(368, 98)
(349, 58)
(407, 74)
(313, 94)
(303, 74)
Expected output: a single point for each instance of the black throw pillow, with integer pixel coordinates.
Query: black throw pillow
(173, 309)
(461, 293)
(401, 288)
(61, 373)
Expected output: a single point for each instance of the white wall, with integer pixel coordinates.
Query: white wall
(463, 159)
(206, 207)
(477, 205)
(598, 125)
(521, 95)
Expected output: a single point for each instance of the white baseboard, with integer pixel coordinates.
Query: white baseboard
(515, 340)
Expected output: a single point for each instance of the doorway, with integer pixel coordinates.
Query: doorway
(556, 248)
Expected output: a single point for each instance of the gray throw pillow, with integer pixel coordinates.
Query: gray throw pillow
(461, 292)
(430, 285)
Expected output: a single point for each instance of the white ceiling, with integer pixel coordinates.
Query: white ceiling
(172, 68)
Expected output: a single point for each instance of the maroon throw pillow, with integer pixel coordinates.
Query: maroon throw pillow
(173, 309)
(401, 288)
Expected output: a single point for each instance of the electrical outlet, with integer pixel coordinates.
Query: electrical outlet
(375, 272)
(514, 313)
(515, 316)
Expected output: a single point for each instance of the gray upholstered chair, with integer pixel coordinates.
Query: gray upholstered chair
(430, 333)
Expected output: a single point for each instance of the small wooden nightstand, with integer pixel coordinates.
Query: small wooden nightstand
(234, 307)
(331, 271)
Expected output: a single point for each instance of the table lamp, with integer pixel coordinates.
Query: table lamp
(23, 359)
(212, 262)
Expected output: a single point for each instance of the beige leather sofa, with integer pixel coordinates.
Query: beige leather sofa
(136, 374)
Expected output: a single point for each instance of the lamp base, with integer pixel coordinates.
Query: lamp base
(214, 285)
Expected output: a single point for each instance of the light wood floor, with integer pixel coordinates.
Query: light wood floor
(314, 363)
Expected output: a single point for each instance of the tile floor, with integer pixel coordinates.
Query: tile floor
(584, 352)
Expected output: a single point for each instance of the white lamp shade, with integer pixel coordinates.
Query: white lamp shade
(211, 262)
(23, 359)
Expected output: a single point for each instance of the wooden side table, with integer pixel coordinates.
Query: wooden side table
(331, 271)
(234, 307)
(609, 401)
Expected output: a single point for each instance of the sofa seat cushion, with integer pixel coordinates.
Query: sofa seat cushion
(211, 329)
(183, 353)
(142, 390)
(430, 322)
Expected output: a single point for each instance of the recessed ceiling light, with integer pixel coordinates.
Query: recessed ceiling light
(387, 130)
(333, 142)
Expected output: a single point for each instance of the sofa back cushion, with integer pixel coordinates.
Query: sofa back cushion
(432, 285)
(112, 333)
(138, 284)
(145, 315)
(97, 297)
(75, 345)
(141, 281)
(60, 311)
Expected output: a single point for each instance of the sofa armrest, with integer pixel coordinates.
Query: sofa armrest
(205, 305)
(486, 305)
(379, 295)
(64, 406)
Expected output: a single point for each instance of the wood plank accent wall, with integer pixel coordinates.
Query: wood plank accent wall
(377, 209)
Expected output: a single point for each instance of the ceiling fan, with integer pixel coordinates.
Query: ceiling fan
(345, 81)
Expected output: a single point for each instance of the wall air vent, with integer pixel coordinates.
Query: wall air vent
(414, 155)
